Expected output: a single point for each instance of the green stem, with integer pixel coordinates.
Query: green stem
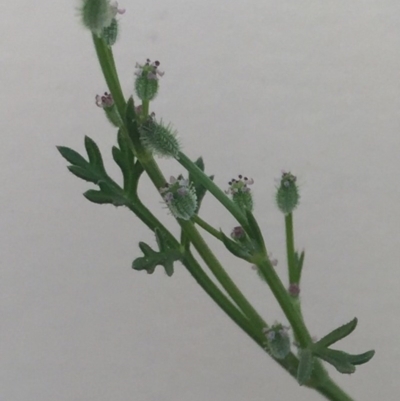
(332, 391)
(290, 250)
(285, 302)
(194, 268)
(108, 67)
(221, 275)
(207, 227)
(145, 109)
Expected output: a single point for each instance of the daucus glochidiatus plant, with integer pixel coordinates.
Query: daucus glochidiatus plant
(140, 139)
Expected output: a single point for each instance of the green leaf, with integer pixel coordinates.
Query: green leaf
(151, 259)
(85, 174)
(336, 335)
(98, 197)
(338, 359)
(131, 121)
(255, 233)
(236, 249)
(94, 155)
(199, 188)
(118, 157)
(361, 358)
(299, 263)
(306, 362)
(94, 172)
(125, 161)
(73, 157)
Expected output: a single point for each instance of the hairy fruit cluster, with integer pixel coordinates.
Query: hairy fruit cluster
(180, 197)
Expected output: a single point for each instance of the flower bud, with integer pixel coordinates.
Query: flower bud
(294, 290)
(146, 83)
(241, 193)
(106, 102)
(180, 197)
(278, 342)
(159, 139)
(287, 195)
(238, 233)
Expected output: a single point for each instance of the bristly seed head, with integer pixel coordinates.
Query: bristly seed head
(146, 82)
(159, 139)
(180, 197)
(287, 195)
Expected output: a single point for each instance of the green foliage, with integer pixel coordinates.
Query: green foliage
(255, 233)
(342, 361)
(125, 160)
(93, 171)
(200, 189)
(337, 334)
(242, 249)
(131, 122)
(299, 263)
(151, 259)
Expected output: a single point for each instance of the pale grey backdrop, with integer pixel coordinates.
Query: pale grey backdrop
(254, 86)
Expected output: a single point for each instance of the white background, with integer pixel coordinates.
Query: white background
(254, 86)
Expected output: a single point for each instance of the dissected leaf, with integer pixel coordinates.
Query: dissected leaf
(98, 197)
(337, 334)
(72, 156)
(151, 259)
(94, 155)
(361, 358)
(235, 248)
(338, 359)
(255, 229)
(93, 171)
(86, 174)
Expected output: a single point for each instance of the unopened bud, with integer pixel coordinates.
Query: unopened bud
(238, 233)
(106, 102)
